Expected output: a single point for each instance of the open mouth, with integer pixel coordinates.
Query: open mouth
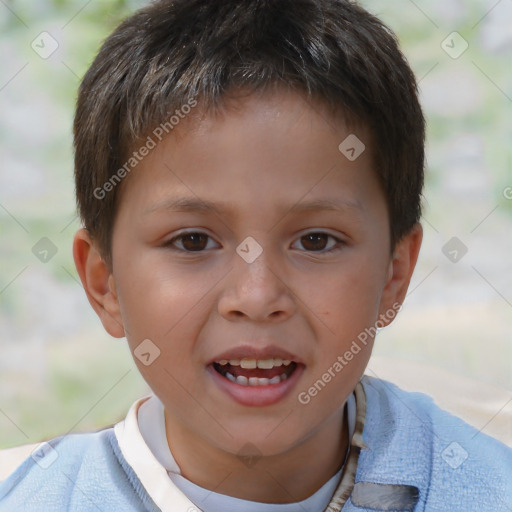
(255, 372)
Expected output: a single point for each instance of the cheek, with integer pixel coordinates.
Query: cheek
(169, 312)
(159, 303)
(347, 302)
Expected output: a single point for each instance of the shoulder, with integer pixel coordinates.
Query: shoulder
(413, 442)
(77, 472)
(11, 458)
(71, 447)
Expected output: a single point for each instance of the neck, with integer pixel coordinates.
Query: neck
(287, 477)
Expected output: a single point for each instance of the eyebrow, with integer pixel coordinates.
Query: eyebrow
(196, 205)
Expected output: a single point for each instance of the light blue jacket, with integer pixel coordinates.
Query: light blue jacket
(417, 458)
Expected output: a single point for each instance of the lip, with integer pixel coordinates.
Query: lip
(252, 352)
(255, 396)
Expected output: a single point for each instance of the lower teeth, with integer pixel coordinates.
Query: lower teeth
(255, 381)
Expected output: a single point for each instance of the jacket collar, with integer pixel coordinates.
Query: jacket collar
(387, 477)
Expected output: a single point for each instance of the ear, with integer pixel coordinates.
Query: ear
(98, 282)
(400, 272)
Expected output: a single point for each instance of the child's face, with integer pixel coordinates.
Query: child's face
(269, 167)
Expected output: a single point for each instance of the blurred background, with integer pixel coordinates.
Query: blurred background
(60, 372)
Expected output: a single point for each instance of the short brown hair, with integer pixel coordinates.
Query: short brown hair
(174, 50)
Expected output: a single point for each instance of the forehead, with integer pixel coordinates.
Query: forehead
(278, 117)
(272, 149)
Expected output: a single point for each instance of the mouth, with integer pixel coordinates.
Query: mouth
(255, 372)
(260, 380)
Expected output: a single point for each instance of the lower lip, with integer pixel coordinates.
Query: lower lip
(256, 396)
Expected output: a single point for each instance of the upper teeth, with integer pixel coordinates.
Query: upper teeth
(247, 363)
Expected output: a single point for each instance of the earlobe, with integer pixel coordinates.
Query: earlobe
(98, 283)
(401, 268)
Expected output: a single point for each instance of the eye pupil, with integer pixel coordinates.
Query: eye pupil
(198, 241)
(315, 241)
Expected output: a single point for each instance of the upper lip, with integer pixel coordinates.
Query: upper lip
(258, 353)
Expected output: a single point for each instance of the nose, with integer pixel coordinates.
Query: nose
(256, 291)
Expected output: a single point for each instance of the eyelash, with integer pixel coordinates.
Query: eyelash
(338, 246)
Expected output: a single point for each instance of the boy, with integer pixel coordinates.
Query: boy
(249, 176)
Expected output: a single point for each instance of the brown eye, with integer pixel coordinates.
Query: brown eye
(191, 242)
(315, 241)
(319, 242)
(195, 242)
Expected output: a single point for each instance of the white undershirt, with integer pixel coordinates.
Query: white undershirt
(151, 424)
